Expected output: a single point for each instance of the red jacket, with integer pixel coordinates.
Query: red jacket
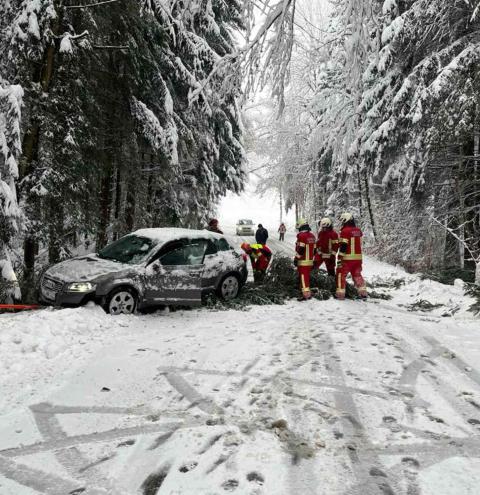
(305, 248)
(350, 243)
(260, 256)
(327, 243)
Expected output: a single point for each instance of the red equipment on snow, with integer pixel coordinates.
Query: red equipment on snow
(20, 307)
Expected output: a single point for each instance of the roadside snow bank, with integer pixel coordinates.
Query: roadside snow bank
(417, 294)
(30, 342)
(45, 334)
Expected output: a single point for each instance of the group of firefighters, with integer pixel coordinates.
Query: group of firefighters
(342, 255)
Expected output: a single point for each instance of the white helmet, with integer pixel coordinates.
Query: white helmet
(301, 222)
(345, 217)
(325, 222)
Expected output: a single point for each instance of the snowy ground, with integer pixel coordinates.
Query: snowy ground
(307, 398)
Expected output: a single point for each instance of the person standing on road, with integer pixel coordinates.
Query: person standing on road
(213, 226)
(281, 230)
(350, 257)
(327, 246)
(305, 253)
(260, 256)
(261, 235)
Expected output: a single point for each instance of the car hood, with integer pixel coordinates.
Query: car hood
(87, 268)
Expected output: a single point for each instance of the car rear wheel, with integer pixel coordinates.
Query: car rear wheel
(229, 287)
(121, 302)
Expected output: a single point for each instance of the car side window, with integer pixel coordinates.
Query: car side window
(211, 247)
(222, 245)
(196, 251)
(167, 248)
(192, 253)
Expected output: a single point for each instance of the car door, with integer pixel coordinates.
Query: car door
(214, 264)
(174, 277)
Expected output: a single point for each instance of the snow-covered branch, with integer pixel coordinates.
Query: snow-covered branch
(89, 5)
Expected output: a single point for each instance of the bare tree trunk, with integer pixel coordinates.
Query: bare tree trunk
(461, 229)
(105, 202)
(369, 206)
(130, 207)
(30, 150)
(56, 223)
(359, 185)
(281, 204)
(476, 174)
(110, 144)
(117, 204)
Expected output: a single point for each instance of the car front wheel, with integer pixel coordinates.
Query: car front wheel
(229, 287)
(121, 302)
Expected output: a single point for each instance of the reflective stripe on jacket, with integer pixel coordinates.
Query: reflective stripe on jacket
(305, 248)
(350, 243)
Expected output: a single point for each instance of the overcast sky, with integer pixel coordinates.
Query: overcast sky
(266, 209)
(261, 209)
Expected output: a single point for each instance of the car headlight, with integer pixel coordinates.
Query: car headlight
(80, 287)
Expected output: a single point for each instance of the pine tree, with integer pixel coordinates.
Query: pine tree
(112, 136)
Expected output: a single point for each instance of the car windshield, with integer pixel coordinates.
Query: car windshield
(245, 222)
(131, 249)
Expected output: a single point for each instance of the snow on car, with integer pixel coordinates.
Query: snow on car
(149, 267)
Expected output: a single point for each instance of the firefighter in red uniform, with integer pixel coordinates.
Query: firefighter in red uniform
(305, 249)
(350, 257)
(260, 256)
(327, 246)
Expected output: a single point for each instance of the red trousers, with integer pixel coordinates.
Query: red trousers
(329, 264)
(354, 267)
(304, 276)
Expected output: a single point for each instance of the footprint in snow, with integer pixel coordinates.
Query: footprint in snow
(410, 462)
(230, 485)
(255, 478)
(376, 472)
(185, 468)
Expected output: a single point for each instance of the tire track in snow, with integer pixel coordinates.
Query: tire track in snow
(409, 377)
(330, 384)
(104, 436)
(472, 374)
(70, 458)
(364, 461)
(49, 484)
(439, 447)
(206, 404)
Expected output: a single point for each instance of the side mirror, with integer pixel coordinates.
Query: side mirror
(156, 267)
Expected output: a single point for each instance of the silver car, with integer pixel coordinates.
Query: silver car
(245, 227)
(149, 267)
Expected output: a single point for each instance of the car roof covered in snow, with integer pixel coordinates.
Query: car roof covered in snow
(161, 235)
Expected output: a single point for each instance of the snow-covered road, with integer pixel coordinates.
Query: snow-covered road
(307, 398)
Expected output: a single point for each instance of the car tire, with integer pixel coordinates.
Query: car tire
(229, 287)
(121, 301)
